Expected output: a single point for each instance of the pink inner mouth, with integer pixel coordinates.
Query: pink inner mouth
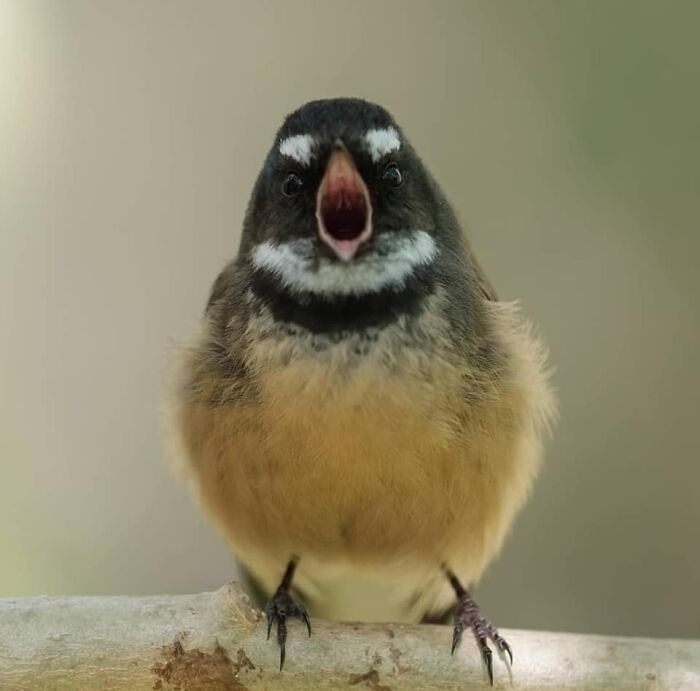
(343, 208)
(344, 214)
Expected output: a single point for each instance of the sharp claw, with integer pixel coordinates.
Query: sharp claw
(268, 614)
(305, 618)
(456, 638)
(282, 656)
(282, 637)
(487, 657)
(501, 642)
(504, 646)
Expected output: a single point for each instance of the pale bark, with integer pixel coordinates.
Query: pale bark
(217, 641)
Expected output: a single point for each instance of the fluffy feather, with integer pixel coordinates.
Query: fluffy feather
(376, 469)
(377, 418)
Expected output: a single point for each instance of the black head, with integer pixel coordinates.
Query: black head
(344, 211)
(382, 180)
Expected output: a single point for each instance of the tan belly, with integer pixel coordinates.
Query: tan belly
(375, 468)
(388, 471)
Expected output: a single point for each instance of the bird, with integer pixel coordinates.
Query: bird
(359, 414)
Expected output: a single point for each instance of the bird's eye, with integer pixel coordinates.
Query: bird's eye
(392, 175)
(292, 185)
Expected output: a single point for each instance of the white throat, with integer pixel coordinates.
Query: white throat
(389, 264)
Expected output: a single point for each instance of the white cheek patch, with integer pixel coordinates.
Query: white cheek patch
(299, 148)
(382, 142)
(392, 261)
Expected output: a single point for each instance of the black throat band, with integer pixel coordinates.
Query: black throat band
(329, 314)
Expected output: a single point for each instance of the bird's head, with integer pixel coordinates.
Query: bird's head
(344, 209)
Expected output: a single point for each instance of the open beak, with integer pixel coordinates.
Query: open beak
(343, 208)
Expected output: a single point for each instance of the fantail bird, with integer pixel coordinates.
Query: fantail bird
(360, 414)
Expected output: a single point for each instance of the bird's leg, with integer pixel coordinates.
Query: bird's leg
(468, 615)
(282, 606)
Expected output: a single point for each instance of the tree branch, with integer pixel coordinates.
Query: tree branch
(217, 641)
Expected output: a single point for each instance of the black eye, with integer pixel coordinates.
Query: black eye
(392, 175)
(292, 185)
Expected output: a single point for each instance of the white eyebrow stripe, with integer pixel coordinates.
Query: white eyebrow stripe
(298, 147)
(393, 261)
(381, 142)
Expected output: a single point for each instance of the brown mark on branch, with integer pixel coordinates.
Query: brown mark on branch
(183, 669)
(371, 680)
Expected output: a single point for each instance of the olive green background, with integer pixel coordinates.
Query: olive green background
(567, 135)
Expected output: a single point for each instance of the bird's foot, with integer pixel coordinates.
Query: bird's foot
(278, 609)
(468, 616)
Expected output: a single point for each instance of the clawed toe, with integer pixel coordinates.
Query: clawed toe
(502, 645)
(468, 615)
(277, 610)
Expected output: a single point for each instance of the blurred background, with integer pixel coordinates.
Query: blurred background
(567, 135)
